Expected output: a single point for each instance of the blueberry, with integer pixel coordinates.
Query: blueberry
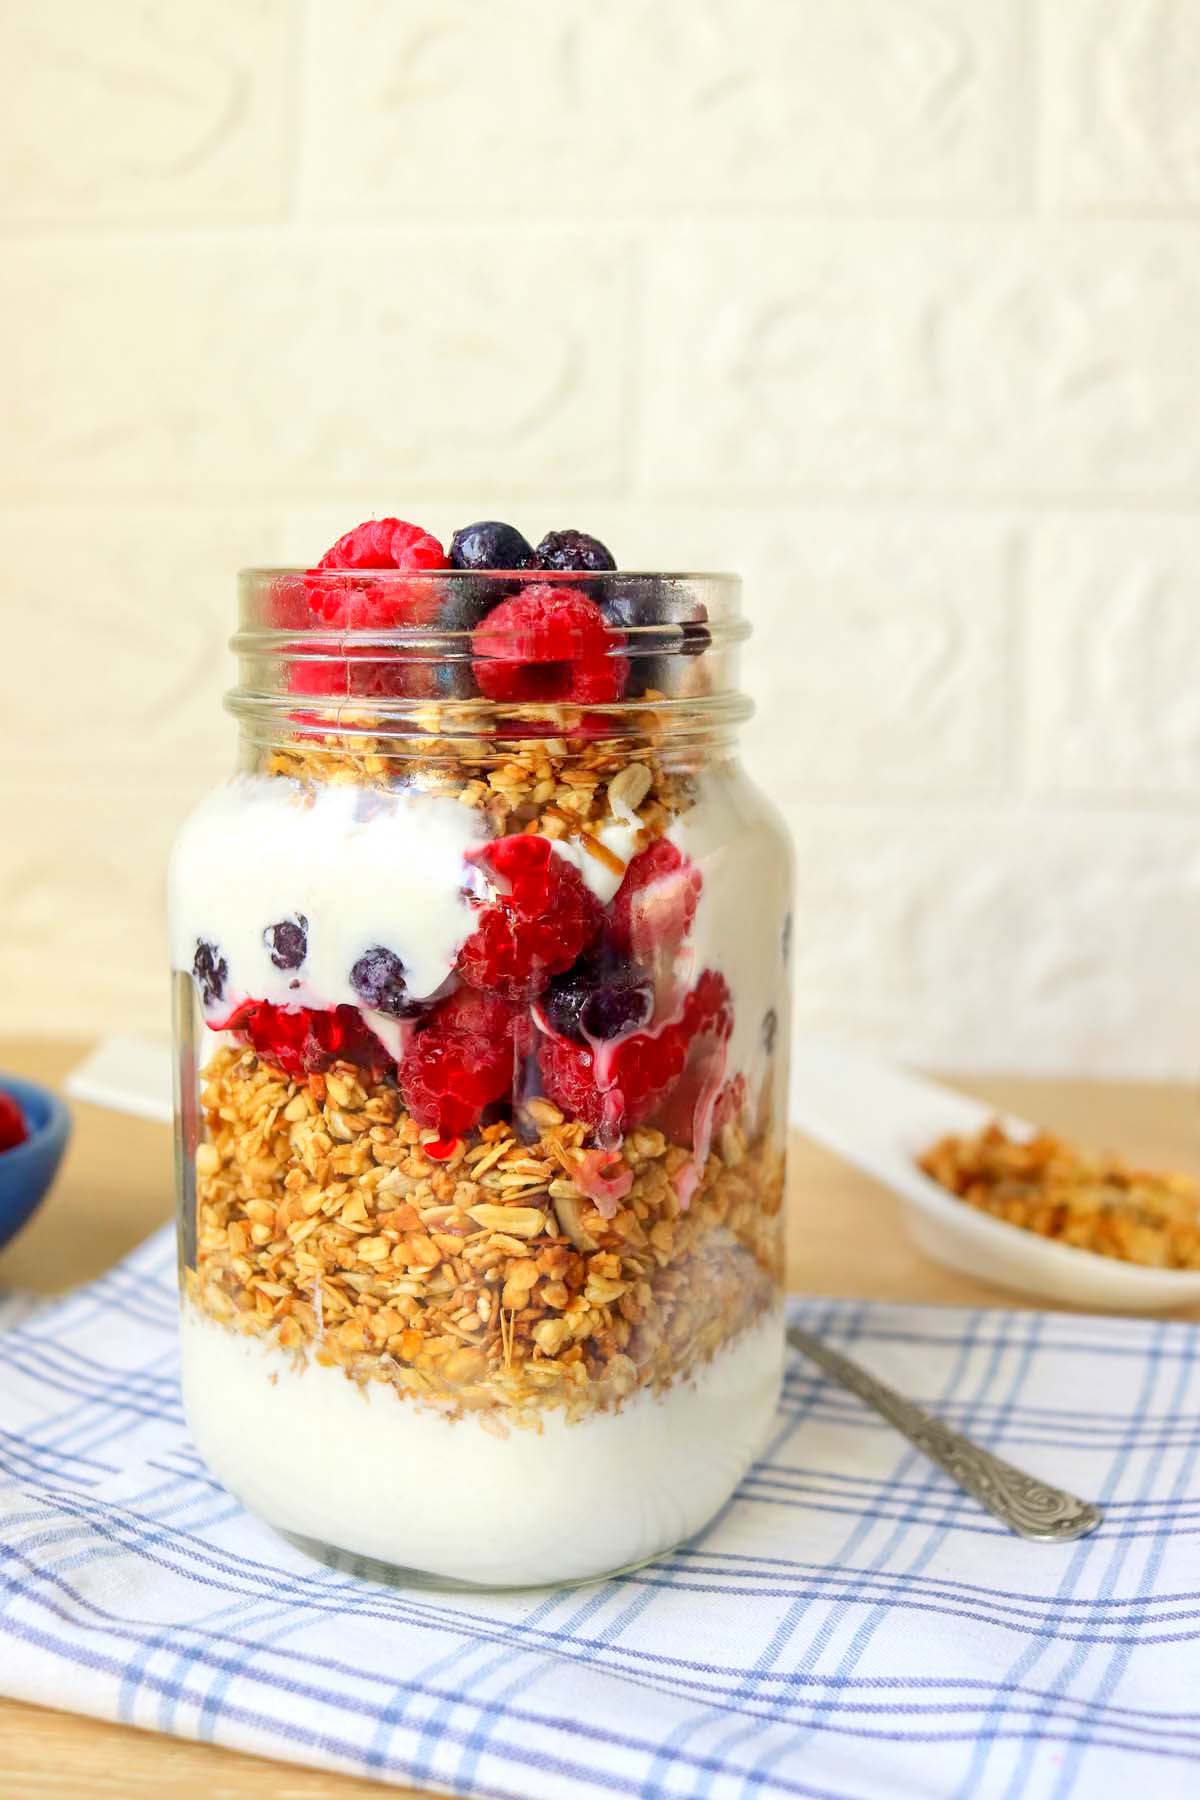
(490, 544)
(602, 996)
(638, 603)
(378, 980)
(466, 603)
(770, 1028)
(610, 1011)
(287, 941)
(570, 550)
(211, 972)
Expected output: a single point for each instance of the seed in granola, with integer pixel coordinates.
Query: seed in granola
(627, 789)
(516, 1221)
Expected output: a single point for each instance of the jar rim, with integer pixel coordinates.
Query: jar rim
(723, 578)
(394, 646)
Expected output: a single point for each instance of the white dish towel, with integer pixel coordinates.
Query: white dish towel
(851, 1628)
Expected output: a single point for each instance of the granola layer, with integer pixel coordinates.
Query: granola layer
(491, 1281)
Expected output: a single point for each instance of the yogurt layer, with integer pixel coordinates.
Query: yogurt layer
(366, 1470)
(363, 866)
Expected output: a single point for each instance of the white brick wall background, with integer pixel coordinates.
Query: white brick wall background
(893, 305)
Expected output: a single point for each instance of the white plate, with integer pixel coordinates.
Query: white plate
(880, 1118)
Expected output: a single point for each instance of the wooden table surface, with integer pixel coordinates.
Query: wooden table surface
(845, 1237)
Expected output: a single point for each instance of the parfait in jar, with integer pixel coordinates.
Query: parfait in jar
(481, 974)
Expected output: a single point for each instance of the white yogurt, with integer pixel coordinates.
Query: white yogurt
(369, 1471)
(363, 866)
(736, 840)
(616, 836)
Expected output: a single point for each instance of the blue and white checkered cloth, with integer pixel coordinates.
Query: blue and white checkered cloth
(851, 1628)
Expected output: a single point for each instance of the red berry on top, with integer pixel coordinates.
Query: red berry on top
(652, 911)
(366, 605)
(466, 1055)
(534, 915)
(548, 644)
(385, 544)
(13, 1129)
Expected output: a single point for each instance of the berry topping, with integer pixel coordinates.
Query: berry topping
(378, 978)
(463, 1057)
(570, 550)
(621, 1087)
(770, 1028)
(13, 1129)
(666, 624)
(211, 972)
(534, 913)
(548, 644)
(298, 1041)
(489, 544)
(601, 997)
(652, 911)
(385, 544)
(287, 942)
(362, 605)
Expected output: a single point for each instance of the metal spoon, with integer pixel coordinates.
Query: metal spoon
(1031, 1508)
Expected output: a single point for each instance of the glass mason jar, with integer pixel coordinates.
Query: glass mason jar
(480, 967)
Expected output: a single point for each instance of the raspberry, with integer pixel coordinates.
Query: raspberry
(538, 916)
(652, 910)
(638, 1073)
(621, 1087)
(464, 1056)
(13, 1129)
(298, 1041)
(385, 544)
(353, 673)
(548, 644)
(368, 605)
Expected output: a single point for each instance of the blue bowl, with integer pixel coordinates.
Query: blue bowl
(27, 1171)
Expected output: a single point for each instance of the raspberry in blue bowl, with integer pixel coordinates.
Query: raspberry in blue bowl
(34, 1128)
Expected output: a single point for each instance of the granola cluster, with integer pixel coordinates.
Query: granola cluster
(492, 1281)
(1096, 1203)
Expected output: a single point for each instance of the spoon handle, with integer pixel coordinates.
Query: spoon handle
(1031, 1508)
